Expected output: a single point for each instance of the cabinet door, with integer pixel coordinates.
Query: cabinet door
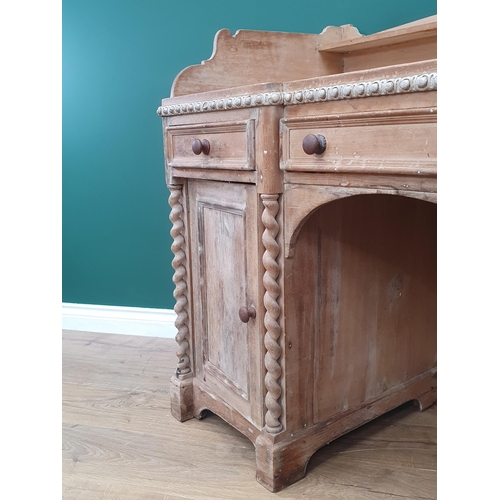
(224, 246)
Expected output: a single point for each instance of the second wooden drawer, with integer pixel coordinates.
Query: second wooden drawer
(391, 141)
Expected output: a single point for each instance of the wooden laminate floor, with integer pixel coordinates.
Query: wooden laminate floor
(120, 441)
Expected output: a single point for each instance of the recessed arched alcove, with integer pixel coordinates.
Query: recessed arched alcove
(360, 302)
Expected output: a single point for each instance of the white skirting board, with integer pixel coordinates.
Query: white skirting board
(116, 319)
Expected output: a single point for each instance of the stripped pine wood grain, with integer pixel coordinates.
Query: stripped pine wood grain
(311, 275)
(121, 442)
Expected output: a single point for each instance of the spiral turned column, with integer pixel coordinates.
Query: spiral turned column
(180, 293)
(273, 311)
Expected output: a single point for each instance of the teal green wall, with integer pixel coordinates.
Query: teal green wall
(119, 60)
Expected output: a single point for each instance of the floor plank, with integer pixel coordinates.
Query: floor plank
(120, 441)
(114, 362)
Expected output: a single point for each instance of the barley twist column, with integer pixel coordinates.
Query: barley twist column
(273, 329)
(179, 279)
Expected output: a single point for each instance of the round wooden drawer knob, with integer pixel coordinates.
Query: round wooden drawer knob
(314, 144)
(200, 147)
(245, 314)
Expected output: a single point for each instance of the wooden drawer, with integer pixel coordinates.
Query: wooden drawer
(394, 142)
(232, 145)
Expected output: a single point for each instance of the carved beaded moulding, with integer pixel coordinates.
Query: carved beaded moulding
(401, 85)
(245, 101)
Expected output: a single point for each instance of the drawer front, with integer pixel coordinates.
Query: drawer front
(231, 145)
(375, 142)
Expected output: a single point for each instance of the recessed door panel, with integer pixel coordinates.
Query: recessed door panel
(223, 266)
